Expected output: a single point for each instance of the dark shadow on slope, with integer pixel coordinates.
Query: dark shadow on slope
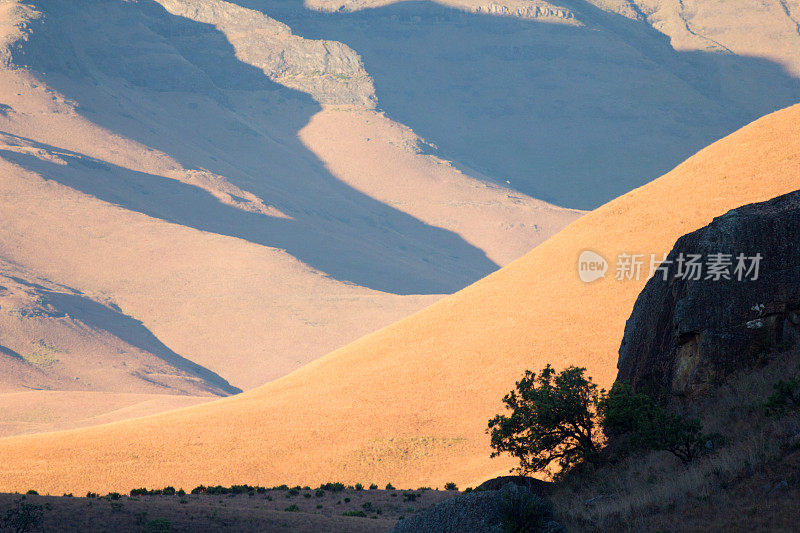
(573, 115)
(127, 329)
(159, 79)
(11, 353)
(173, 201)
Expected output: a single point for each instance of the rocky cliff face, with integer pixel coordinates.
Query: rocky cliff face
(686, 334)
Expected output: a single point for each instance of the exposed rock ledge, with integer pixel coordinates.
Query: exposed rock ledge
(685, 336)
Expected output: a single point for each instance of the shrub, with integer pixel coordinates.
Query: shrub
(91, 495)
(450, 486)
(32, 493)
(389, 486)
(552, 420)
(359, 486)
(373, 487)
(648, 426)
(468, 489)
(319, 493)
(785, 397)
(113, 496)
(360, 514)
(159, 525)
(292, 508)
(168, 491)
(333, 487)
(23, 516)
(199, 490)
(522, 512)
(410, 496)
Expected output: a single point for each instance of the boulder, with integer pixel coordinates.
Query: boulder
(477, 512)
(536, 486)
(686, 335)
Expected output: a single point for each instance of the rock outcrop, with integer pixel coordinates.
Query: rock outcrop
(331, 72)
(479, 512)
(685, 335)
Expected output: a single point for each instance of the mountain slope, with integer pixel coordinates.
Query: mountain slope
(409, 404)
(152, 164)
(576, 109)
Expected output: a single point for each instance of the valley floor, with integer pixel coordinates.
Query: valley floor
(274, 510)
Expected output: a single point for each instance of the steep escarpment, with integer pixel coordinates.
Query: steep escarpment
(729, 296)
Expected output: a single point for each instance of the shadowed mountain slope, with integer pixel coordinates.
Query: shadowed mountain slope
(153, 164)
(409, 403)
(574, 113)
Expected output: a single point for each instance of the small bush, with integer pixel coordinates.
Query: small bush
(359, 486)
(23, 517)
(785, 397)
(32, 493)
(450, 486)
(169, 491)
(319, 493)
(91, 495)
(333, 487)
(292, 509)
(159, 525)
(360, 514)
(373, 487)
(410, 496)
(389, 486)
(468, 489)
(648, 426)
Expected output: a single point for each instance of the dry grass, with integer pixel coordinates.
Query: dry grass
(256, 512)
(439, 374)
(654, 490)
